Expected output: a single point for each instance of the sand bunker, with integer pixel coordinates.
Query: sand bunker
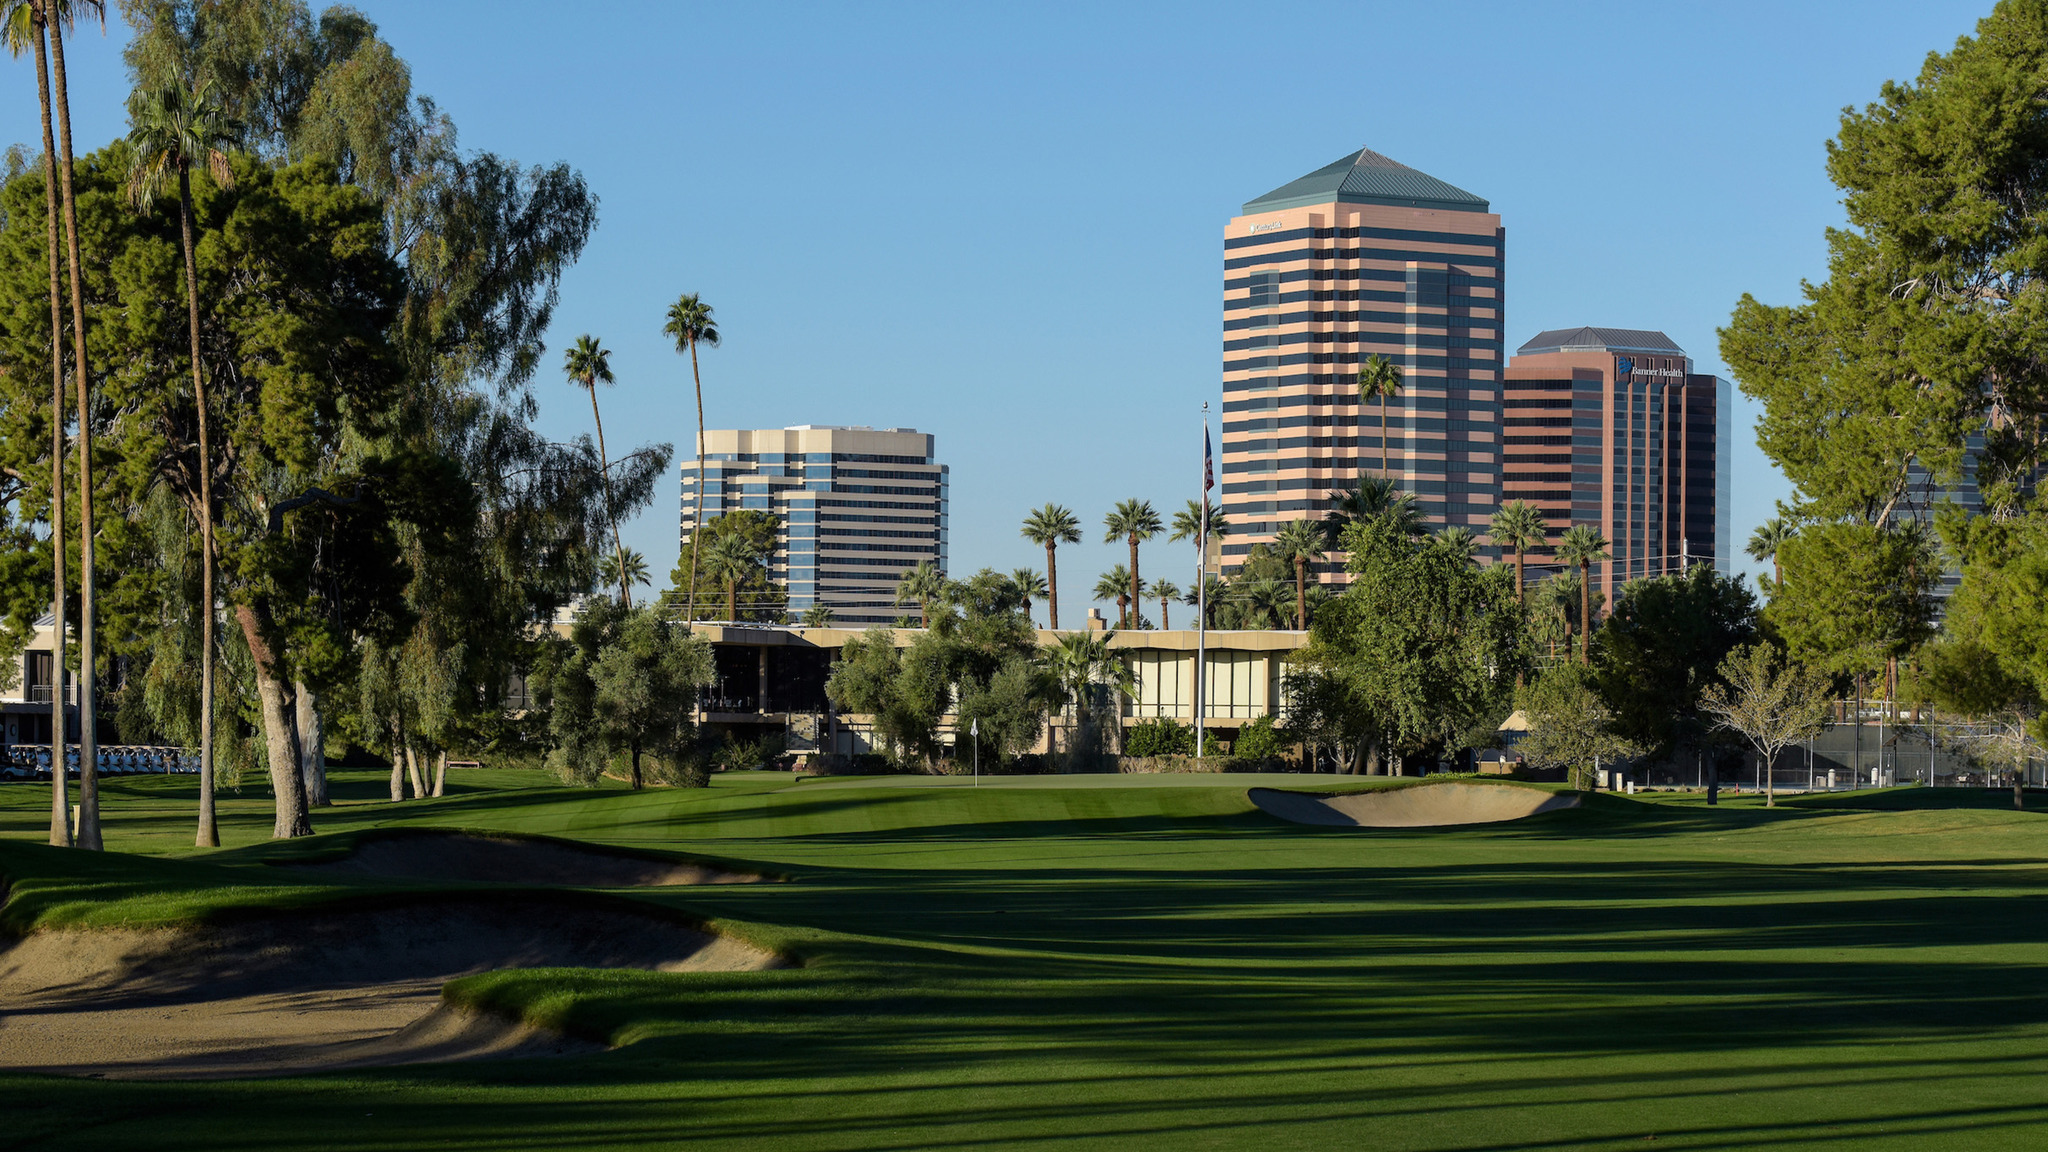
(1420, 806)
(315, 991)
(443, 856)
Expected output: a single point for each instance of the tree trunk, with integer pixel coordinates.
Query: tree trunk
(1383, 435)
(1521, 585)
(697, 520)
(312, 746)
(60, 800)
(1165, 618)
(1714, 781)
(732, 600)
(1300, 594)
(604, 468)
(1052, 587)
(1770, 780)
(412, 771)
(280, 736)
(397, 759)
(1585, 613)
(88, 673)
(441, 773)
(1137, 587)
(636, 766)
(209, 825)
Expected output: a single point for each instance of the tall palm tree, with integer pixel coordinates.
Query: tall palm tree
(62, 14)
(22, 24)
(1115, 585)
(1260, 603)
(1216, 589)
(924, 585)
(690, 324)
(1765, 542)
(587, 365)
(175, 128)
(635, 568)
(1052, 526)
(1029, 585)
(1379, 378)
(1080, 661)
(1518, 525)
(1557, 607)
(1164, 591)
(732, 560)
(1374, 496)
(1300, 543)
(1187, 523)
(1135, 521)
(1584, 546)
(817, 616)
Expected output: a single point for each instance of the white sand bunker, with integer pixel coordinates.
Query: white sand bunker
(1420, 806)
(443, 856)
(315, 991)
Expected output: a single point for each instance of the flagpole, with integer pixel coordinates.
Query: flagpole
(1202, 595)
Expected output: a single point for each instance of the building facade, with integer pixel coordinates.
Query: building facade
(1364, 256)
(855, 508)
(1611, 427)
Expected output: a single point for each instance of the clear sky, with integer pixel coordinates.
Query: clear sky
(1002, 224)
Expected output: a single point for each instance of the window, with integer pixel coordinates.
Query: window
(1265, 289)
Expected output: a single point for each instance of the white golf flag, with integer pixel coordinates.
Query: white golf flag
(974, 729)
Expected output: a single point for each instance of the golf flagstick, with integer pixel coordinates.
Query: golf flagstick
(974, 729)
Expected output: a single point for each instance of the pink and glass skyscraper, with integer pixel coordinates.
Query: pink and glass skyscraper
(1361, 257)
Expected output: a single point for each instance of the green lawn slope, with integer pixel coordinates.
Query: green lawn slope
(1150, 962)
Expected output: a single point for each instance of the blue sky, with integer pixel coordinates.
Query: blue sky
(1002, 225)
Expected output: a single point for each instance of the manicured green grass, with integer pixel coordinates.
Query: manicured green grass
(1151, 963)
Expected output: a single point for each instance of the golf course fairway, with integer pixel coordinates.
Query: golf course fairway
(1137, 962)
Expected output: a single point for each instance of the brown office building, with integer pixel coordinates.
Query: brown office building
(1611, 427)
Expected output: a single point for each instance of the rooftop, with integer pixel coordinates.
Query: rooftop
(1601, 340)
(1366, 177)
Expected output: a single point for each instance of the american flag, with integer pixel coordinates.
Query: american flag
(1208, 462)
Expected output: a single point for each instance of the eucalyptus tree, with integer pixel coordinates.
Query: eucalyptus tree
(1135, 521)
(587, 365)
(1300, 543)
(1584, 546)
(176, 128)
(1050, 527)
(1517, 525)
(689, 324)
(1379, 379)
(25, 25)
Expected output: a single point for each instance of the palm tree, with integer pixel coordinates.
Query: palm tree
(1557, 603)
(1374, 496)
(1518, 525)
(732, 559)
(22, 24)
(1080, 661)
(923, 585)
(636, 568)
(589, 364)
(1260, 603)
(1187, 523)
(1115, 584)
(1458, 539)
(1765, 542)
(1135, 521)
(1029, 586)
(1164, 591)
(1052, 526)
(1584, 546)
(1217, 590)
(690, 324)
(175, 128)
(1300, 542)
(61, 14)
(817, 616)
(1379, 378)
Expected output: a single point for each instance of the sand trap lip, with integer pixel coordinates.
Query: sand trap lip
(316, 990)
(444, 856)
(1419, 806)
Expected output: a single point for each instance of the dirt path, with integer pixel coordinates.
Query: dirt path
(308, 992)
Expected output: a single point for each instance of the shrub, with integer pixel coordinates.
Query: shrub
(1258, 741)
(1161, 737)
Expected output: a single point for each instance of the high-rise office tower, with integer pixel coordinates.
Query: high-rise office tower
(1362, 257)
(1611, 427)
(855, 509)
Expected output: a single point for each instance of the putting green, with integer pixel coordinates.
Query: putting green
(1144, 961)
